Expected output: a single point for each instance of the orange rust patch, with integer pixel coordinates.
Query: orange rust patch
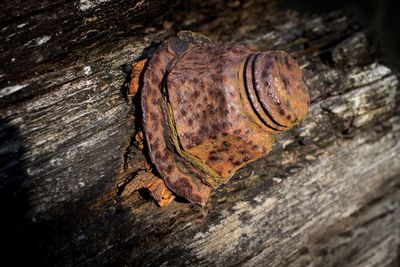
(156, 186)
(137, 69)
(160, 192)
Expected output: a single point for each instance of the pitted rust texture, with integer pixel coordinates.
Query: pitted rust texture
(209, 113)
(157, 132)
(279, 86)
(208, 110)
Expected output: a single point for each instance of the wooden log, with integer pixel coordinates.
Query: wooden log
(328, 193)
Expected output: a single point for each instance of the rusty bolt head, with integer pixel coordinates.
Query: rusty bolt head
(209, 110)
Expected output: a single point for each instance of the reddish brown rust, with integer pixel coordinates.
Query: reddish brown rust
(137, 69)
(158, 191)
(208, 110)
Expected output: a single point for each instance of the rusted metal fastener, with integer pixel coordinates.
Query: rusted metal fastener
(208, 110)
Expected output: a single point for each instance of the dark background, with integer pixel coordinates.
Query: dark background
(379, 16)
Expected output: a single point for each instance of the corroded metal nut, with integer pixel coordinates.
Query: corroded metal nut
(208, 110)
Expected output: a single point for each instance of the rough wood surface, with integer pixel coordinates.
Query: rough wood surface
(327, 195)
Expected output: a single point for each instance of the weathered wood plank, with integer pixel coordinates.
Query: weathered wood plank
(326, 195)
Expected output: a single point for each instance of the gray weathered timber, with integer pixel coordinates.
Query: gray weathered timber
(327, 195)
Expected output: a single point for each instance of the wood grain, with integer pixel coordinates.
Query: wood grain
(327, 195)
